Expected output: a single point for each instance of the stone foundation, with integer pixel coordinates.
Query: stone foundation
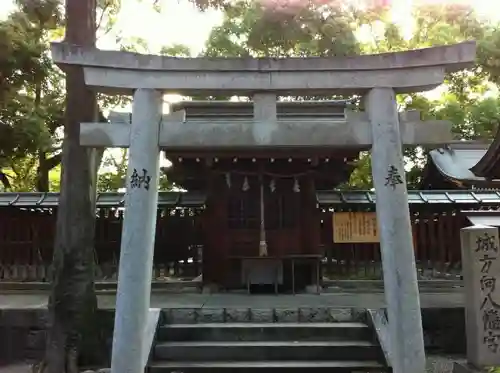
(444, 330)
(23, 334)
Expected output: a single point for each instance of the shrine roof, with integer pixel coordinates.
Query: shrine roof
(489, 164)
(237, 109)
(465, 197)
(484, 217)
(197, 199)
(469, 163)
(50, 200)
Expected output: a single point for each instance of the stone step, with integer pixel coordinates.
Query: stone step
(261, 315)
(348, 331)
(267, 350)
(261, 366)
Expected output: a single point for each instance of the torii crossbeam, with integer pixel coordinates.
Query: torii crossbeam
(175, 133)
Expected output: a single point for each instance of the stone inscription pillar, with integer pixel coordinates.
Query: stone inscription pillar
(396, 242)
(481, 268)
(138, 234)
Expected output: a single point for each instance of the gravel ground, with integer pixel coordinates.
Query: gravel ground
(442, 363)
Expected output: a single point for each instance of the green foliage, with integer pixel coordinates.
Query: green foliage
(114, 171)
(107, 15)
(261, 29)
(30, 89)
(135, 44)
(361, 177)
(176, 50)
(251, 29)
(114, 167)
(32, 93)
(489, 54)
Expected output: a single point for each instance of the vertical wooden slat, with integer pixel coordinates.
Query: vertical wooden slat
(459, 222)
(422, 240)
(441, 241)
(431, 240)
(159, 244)
(196, 243)
(448, 231)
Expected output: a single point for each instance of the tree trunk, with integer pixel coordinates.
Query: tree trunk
(73, 302)
(45, 165)
(42, 182)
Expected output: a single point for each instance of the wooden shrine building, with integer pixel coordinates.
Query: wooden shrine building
(261, 207)
(464, 165)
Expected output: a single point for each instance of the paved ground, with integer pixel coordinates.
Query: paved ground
(442, 363)
(435, 364)
(165, 300)
(16, 368)
(357, 298)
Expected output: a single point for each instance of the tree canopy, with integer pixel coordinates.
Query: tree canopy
(32, 89)
(470, 99)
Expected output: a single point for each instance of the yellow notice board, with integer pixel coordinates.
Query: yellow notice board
(355, 227)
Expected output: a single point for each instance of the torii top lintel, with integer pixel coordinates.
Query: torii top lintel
(122, 72)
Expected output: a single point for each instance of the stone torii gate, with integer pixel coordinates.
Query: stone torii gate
(377, 77)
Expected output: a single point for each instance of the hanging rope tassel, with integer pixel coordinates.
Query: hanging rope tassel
(246, 186)
(263, 242)
(296, 186)
(272, 185)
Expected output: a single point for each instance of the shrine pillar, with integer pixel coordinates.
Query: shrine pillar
(396, 242)
(139, 226)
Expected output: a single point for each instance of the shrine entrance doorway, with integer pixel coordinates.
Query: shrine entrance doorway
(264, 227)
(281, 203)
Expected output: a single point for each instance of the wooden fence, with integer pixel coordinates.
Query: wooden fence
(27, 238)
(436, 236)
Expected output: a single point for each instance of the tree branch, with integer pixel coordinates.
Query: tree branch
(52, 162)
(4, 179)
(98, 26)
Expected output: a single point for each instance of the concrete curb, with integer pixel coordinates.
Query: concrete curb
(101, 287)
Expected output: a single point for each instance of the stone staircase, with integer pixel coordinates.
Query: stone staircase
(258, 340)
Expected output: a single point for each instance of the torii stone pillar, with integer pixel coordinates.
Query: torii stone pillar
(396, 242)
(139, 226)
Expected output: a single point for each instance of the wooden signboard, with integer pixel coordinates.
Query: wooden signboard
(358, 227)
(355, 227)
